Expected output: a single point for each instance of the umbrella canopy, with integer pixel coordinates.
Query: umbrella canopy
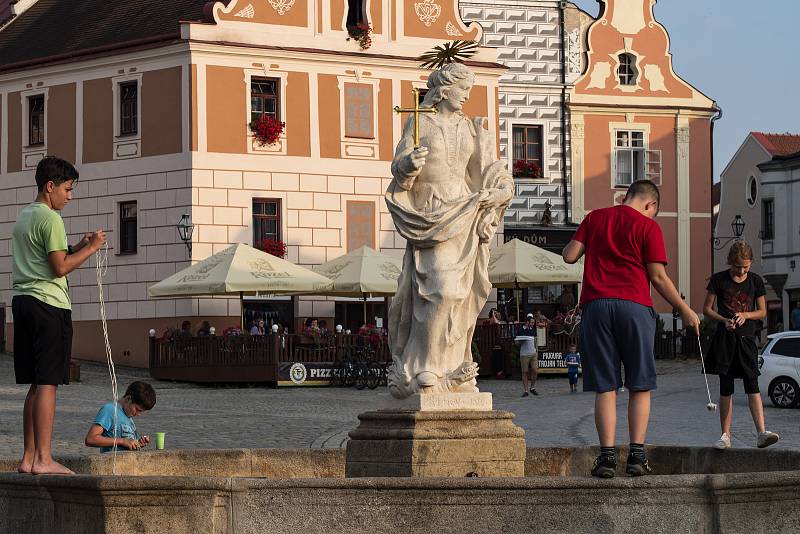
(518, 264)
(242, 270)
(361, 273)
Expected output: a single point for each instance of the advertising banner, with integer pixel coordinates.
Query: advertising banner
(304, 373)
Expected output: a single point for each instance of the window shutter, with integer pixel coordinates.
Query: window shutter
(653, 166)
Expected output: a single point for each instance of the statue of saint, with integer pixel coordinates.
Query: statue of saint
(447, 199)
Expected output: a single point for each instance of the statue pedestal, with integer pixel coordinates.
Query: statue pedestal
(443, 442)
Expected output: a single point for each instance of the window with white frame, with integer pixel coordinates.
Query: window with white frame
(36, 120)
(265, 98)
(768, 219)
(356, 13)
(627, 69)
(752, 191)
(128, 224)
(527, 151)
(633, 161)
(128, 108)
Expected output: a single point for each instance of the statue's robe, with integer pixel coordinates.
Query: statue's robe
(444, 281)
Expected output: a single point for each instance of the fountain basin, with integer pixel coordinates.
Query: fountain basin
(304, 490)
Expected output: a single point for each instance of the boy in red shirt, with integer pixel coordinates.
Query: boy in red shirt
(625, 253)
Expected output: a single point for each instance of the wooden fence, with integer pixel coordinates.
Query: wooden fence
(247, 358)
(258, 358)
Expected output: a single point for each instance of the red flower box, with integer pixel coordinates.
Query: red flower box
(526, 169)
(276, 247)
(267, 129)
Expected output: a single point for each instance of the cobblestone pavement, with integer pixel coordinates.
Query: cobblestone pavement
(227, 417)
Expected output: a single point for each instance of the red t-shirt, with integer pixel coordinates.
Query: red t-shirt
(619, 242)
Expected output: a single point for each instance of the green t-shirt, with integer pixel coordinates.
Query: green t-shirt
(38, 231)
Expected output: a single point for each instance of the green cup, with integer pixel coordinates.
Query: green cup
(159, 440)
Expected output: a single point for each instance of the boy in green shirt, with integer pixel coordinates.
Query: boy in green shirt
(41, 306)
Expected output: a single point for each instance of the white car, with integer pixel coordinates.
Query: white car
(780, 369)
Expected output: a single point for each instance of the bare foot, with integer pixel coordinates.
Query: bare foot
(25, 466)
(50, 468)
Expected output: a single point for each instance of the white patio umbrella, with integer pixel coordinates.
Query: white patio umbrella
(362, 273)
(517, 264)
(240, 270)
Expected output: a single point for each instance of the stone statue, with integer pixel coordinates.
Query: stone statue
(447, 199)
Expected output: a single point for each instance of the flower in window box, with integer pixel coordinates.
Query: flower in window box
(526, 169)
(362, 33)
(267, 129)
(276, 247)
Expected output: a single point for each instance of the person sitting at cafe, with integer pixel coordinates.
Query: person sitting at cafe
(257, 328)
(186, 330)
(204, 330)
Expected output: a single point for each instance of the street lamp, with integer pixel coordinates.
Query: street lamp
(737, 226)
(185, 228)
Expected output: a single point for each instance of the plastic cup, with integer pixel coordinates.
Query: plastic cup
(159, 440)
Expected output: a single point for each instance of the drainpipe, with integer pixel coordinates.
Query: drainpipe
(562, 6)
(714, 119)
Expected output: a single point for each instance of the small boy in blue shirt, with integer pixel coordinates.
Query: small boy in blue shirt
(138, 398)
(573, 361)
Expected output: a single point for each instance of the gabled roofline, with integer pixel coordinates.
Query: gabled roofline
(738, 150)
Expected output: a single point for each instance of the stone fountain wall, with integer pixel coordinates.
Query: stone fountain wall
(304, 491)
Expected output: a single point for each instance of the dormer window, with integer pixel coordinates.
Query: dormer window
(627, 69)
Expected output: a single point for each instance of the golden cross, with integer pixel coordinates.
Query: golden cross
(416, 111)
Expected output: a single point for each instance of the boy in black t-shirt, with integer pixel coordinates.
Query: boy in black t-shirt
(740, 303)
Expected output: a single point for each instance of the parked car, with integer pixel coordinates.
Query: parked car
(780, 369)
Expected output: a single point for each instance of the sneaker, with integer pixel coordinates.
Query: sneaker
(637, 466)
(766, 438)
(525, 394)
(604, 467)
(724, 442)
(533, 390)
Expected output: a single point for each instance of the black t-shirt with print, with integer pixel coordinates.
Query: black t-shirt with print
(734, 298)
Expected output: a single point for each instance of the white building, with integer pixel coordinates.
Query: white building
(748, 193)
(780, 254)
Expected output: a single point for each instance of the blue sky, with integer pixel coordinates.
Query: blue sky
(741, 53)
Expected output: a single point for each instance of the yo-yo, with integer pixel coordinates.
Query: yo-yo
(711, 407)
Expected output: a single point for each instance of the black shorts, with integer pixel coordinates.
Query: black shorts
(42, 342)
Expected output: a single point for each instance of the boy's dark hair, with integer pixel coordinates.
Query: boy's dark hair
(643, 188)
(142, 393)
(56, 170)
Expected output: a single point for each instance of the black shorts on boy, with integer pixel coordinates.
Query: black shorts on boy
(42, 342)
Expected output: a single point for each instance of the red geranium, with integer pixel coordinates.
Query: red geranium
(362, 33)
(526, 169)
(276, 247)
(372, 333)
(267, 129)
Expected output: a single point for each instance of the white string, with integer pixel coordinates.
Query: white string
(703, 362)
(101, 266)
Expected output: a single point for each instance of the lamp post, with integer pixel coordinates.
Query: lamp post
(737, 226)
(185, 229)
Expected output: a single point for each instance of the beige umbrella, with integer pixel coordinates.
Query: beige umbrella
(517, 264)
(362, 273)
(240, 269)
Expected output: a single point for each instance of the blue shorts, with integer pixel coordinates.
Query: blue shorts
(618, 332)
(573, 376)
